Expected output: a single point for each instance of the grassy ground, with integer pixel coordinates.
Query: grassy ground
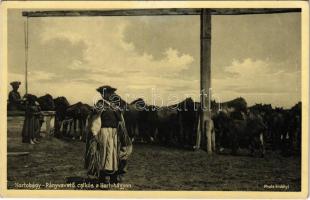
(153, 167)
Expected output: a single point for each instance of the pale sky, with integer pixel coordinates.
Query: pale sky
(257, 57)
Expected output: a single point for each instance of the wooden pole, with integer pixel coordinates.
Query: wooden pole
(205, 76)
(26, 54)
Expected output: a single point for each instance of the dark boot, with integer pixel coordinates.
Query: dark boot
(121, 178)
(103, 178)
(113, 178)
(122, 167)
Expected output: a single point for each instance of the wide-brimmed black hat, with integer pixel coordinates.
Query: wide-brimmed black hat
(15, 83)
(106, 88)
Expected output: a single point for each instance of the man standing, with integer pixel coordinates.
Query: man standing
(15, 101)
(110, 134)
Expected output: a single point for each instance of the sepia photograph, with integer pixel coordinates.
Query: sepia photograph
(161, 98)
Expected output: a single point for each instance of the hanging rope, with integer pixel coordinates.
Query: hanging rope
(26, 54)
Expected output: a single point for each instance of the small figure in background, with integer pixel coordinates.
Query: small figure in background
(33, 120)
(15, 101)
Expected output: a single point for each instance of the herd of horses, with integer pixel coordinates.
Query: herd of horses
(235, 125)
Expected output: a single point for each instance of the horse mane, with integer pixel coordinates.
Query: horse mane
(31, 97)
(297, 107)
(238, 103)
(76, 104)
(261, 107)
(62, 100)
(137, 100)
(183, 104)
(46, 96)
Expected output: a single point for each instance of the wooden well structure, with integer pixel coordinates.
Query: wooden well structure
(205, 42)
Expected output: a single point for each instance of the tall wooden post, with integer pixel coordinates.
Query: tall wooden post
(205, 76)
(26, 54)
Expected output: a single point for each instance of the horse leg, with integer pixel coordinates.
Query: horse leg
(272, 140)
(234, 145)
(213, 140)
(74, 128)
(251, 147)
(57, 127)
(132, 130)
(152, 133)
(262, 147)
(155, 134)
(181, 134)
(84, 130)
(67, 128)
(161, 136)
(136, 129)
(81, 122)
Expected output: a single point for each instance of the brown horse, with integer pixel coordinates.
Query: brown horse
(79, 113)
(46, 102)
(61, 105)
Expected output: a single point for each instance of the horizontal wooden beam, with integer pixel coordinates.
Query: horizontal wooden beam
(127, 12)
(155, 12)
(248, 11)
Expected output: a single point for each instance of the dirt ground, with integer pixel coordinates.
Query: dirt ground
(152, 167)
